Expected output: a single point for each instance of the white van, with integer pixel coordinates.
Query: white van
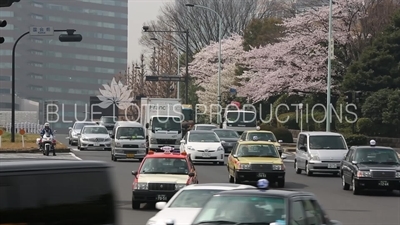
(319, 152)
(128, 141)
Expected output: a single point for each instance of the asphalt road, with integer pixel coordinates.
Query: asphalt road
(373, 208)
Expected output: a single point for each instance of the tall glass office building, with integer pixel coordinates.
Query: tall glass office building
(69, 73)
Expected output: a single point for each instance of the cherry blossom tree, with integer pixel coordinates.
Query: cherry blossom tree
(204, 67)
(299, 61)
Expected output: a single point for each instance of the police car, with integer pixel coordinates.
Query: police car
(370, 167)
(161, 175)
(262, 206)
(262, 135)
(250, 161)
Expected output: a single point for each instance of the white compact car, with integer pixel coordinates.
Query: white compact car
(203, 146)
(94, 137)
(187, 202)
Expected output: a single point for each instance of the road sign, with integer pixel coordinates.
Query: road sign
(41, 31)
(165, 78)
(22, 132)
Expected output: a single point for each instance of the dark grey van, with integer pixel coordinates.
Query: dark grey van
(50, 192)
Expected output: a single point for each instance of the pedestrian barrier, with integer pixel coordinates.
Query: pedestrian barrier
(29, 128)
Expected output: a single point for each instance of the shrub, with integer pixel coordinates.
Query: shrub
(310, 124)
(365, 126)
(291, 123)
(267, 127)
(356, 139)
(283, 134)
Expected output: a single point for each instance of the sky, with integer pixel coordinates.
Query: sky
(140, 12)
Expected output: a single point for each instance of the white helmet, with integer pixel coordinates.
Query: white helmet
(46, 124)
(372, 143)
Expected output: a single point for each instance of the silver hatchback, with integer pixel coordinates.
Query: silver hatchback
(319, 152)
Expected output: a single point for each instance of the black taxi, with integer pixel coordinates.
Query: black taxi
(262, 206)
(370, 167)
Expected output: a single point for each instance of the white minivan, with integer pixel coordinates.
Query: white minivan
(128, 141)
(319, 152)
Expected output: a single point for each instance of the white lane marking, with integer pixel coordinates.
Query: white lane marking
(73, 155)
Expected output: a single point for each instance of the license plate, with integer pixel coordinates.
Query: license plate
(96, 144)
(161, 198)
(332, 166)
(261, 175)
(206, 155)
(130, 155)
(383, 183)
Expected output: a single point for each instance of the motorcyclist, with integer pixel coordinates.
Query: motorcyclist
(45, 130)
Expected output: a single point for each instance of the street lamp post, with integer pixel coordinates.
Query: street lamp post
(328, 82)
(301, 116)
(69, 37)
(146, 29)
(219, 52)
(179, 54)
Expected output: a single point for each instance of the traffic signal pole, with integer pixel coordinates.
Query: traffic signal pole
(70, 37)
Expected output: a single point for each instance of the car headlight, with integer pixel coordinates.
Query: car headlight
(220, 148)
(278, 167)
(140, 186)
(397, 174)
(244, 166)
(143, 145)
(315, 157)
(179, 186)
(191, 148)
(153, 141)
(363, 174)
(117, 144)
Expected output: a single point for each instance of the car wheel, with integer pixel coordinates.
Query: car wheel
(281, 183)
(356, 190)
(308, 172)
(135, 205)
(345, 185)
(296, 167)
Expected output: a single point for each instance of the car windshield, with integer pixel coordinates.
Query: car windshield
(79, 126)
(376, 156)
(327, 142)
(193, 198)
(253, 210)
(257, 150)
(226, 133)
(261, 136)
(205, 127)
(130, 133)
(94, 130)
(164, 166)
(167, 124)
(109, 119)
(203, 137)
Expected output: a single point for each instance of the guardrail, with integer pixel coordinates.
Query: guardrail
(30, 128)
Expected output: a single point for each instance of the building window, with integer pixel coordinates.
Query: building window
(5, 91)
(37, 5)
(7, 105)
(36, 76)
(5, 78)
(5, 52)
(5, 65)
(7, 14)
(54, 89)
(38, 17)
(36, 88)
(37, 40)
(35, 52)
(36, 64)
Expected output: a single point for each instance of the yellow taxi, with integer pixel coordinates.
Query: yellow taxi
(250, 161)
(262, 135)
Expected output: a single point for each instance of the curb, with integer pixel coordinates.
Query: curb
(63, 150)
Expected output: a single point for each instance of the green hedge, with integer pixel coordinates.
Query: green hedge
(280, 133)
(267, 127)
(365, 126)
(290, 121)
(356, 139)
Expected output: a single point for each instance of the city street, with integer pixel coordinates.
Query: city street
(373, 208)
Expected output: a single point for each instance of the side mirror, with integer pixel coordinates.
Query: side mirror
(55, 131)
(303, 148)
(335, 222)
(234, 156)
(160, 205)
(283, 156)
(280, 141)
(69, 128)
(147, 125)
(354, 162)
(222, 142)
(183, 141)
(191, 174)
(112, 136)
(134, 173)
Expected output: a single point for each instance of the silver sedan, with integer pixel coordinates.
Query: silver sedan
(94, 137)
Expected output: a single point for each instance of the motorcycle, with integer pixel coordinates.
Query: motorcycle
(47, 144)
